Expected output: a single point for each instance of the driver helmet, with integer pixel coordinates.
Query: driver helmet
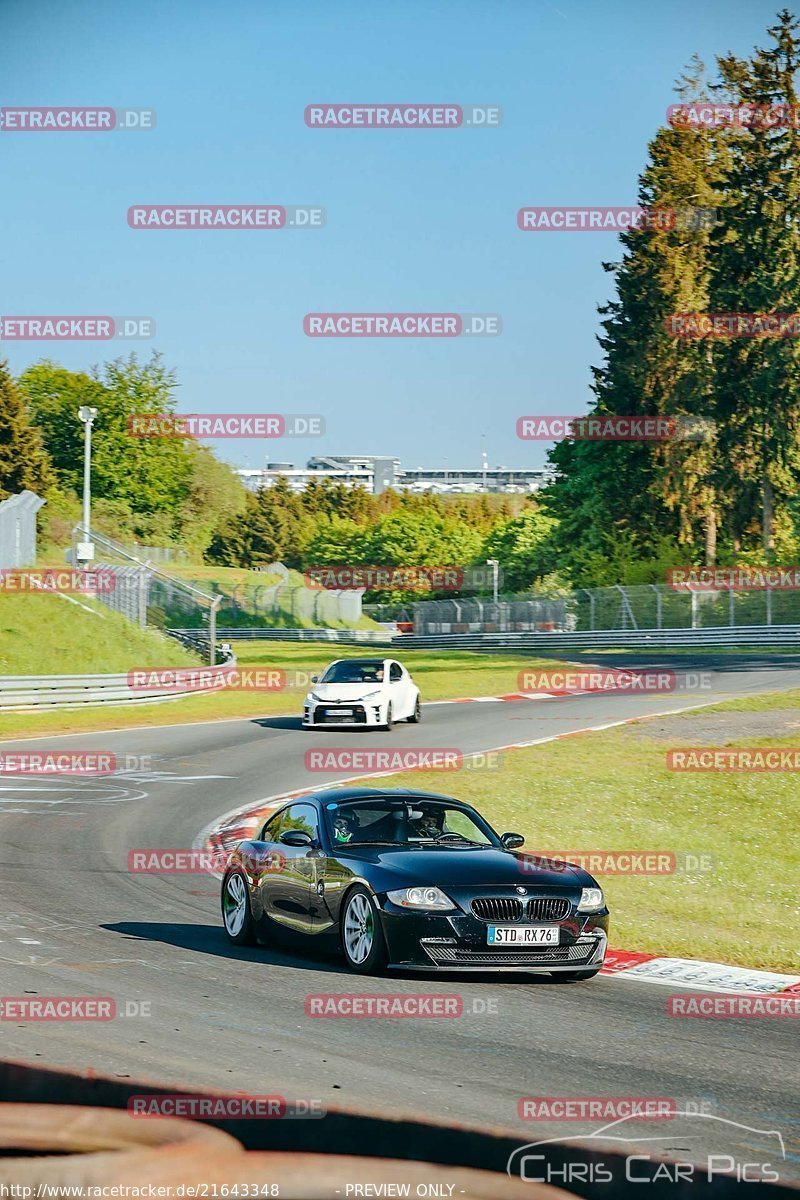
(344, 826)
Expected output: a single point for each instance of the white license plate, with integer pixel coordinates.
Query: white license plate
(523, 935)
(344, 712)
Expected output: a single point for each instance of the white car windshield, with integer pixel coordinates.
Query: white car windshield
(355, 671)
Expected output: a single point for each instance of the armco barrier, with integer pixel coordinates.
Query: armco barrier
(745, 635)
(647, 639)
(22, 693)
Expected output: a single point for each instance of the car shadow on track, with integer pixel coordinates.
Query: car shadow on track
(210, 939)
(278, 722)
(297, 723)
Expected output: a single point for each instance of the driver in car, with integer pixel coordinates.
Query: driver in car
(344, 826)
(425, 823)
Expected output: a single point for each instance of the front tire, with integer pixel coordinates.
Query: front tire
(363, 943)
(236, 914)
(416, 716)
(389, 725)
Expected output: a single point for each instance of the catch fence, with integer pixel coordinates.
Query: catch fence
(619, 608)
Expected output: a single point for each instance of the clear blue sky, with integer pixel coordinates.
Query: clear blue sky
(417, 221)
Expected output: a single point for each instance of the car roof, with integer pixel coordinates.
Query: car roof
(361, 793)
(356, 658)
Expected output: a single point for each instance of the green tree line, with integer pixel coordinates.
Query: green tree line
(174, 491)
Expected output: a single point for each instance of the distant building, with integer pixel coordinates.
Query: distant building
(377, 473)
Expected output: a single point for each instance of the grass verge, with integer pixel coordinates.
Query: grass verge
(52, 635)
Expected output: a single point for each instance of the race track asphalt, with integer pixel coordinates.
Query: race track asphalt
(74, 921)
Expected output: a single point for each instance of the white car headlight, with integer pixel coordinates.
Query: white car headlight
(591, 900)
(314, 696)
(369, 695)
(431, 898)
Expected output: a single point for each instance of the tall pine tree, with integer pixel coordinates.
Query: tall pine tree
(24, 463)
(756, 269)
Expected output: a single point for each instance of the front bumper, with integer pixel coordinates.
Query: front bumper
(458, 942)
(361, 714)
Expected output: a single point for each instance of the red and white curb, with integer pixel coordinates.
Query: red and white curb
(705, 976)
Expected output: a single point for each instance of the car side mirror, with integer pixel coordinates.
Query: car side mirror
(315, 678)
(296, 837)
(512, 840)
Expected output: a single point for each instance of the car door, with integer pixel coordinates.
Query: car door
(398, 691)
(286, 892)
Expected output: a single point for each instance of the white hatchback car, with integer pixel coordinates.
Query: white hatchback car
(373, 692)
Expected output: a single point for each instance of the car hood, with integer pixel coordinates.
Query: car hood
(481, 866)
(344, 691)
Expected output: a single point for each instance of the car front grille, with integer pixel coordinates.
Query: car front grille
(330, 712)
(503, 908)
(548, 908)
(530, 956)
(497, 908)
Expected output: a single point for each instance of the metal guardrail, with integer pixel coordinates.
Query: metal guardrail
(23, 693)
(751, 635)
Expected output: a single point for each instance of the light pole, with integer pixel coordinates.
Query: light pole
(85, 550)
(494, 564)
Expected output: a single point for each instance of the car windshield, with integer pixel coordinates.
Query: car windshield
(415, 822)
(356, 670)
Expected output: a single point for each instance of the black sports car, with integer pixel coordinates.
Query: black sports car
(411, 880)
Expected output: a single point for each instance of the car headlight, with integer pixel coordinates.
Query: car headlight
(314, 696)
(431, 898)
(591, 900)
(370, 695)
